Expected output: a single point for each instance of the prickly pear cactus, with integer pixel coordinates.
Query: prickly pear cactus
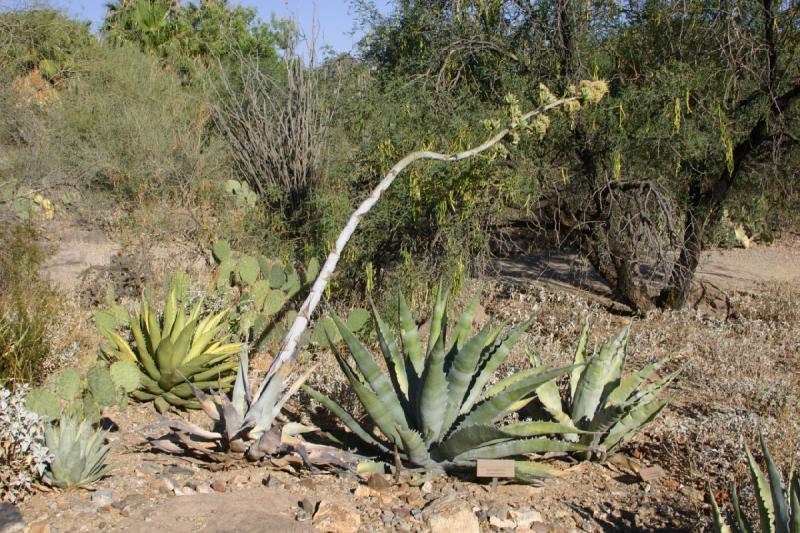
(126, 376)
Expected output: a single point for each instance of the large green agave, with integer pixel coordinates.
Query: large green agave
(432, 407)
(78, 454)
(778, 509)
(177, 348)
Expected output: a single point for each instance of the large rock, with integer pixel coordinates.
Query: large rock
(336, 518)
(449, 514)
(10, 518)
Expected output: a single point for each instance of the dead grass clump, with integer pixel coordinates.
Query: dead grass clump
(777, 303)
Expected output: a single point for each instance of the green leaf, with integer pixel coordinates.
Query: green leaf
(438, 318)
(414, 447)
(461, 373)
(776, 490)
(579, 359)
(719, 524)
(519, 447)
(632, 423)
(344, 416)
(592, 384)
(762, 490)
(468, 438)
(221, 251)
(531, 429)
(372, 373)
(433, 398)
(412, 343)
(391, 354)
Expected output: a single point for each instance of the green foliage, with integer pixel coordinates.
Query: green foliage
(241, 193)
(128, 127)
(79, 453)
(432, 404)
(174, 352)
(778, 506)
(194, 35)
(67, 394)
(28, 305)
(40, 39)
(610, 409)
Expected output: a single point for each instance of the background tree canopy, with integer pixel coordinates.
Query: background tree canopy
(697, 136)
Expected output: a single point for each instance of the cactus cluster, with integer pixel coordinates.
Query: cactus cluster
(177, 347)
(113, 316)
(242, 194)
(66, 393)
(26, 202)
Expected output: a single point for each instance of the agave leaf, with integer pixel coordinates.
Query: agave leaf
(529, 470)
(391, 354)
(412, 342)
(776, 490)
(519, 447)
(165, 356)
(632, 423)
(260, 415)
(293, 388)
(579, 359)
(145, 356)
(181, 344)
(766, 511)
(463, 326)
(631, 383)
(741, 522)
(413, 446)
(491, 409)
(468, 438)
(345, 417)
(531, 429)
(438, 319)
(124, 351)
(241, 396)
(433, 398)
(592, 383)
(513, 379)
(372, 373)
(720, 526)
(461, 372)
(794, 497)
(376, 409)
(184, 391)
(170, 312)
(153, 330)
(493, 362)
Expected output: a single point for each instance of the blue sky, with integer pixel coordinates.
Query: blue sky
(336, 20)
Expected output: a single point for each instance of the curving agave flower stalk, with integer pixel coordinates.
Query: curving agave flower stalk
(587, 92)
(248, 426)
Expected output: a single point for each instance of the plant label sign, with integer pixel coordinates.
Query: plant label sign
(495, 468)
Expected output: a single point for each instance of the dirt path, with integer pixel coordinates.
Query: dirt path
(733, 270)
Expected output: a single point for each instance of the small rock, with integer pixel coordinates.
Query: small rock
(185, 491)
(309, 505)
(499, 523)
(239, 480)
(102, 497)
(176, 470)
(387, 517)
(38, 527)
(426, 487)
(167, 485)
(378, 483)
(204, 488)
(336, 518)
(273, 482)
(525, 518)
(218, 485)
(10, 518)
(362, 491)
(451, 513)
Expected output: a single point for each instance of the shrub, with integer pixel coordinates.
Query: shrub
(28, 306)
(23, 454)
(126, 125)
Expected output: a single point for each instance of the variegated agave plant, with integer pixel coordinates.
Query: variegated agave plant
(243, 423)
(775, 513)
(433, 407)
(609, 408)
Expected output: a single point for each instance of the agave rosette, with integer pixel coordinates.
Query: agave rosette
(176, 352)
(78, 454)
(610, 409)
(432, 407)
